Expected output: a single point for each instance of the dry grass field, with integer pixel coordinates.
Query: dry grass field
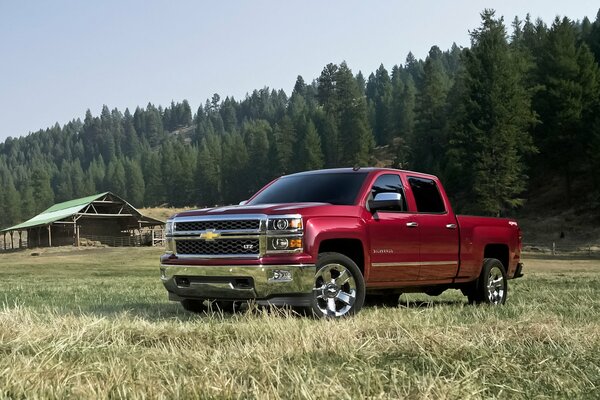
(95, 323)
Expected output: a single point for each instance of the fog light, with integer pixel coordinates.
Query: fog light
(280, 243)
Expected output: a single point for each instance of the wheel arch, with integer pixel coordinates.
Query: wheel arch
(350, 247)
(498, 251)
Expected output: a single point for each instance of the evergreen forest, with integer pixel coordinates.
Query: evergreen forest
(516, 110)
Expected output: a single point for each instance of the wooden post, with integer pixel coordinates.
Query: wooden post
(152, 243)
(39, 243)
(20, 239)
(12, 240)
(77, 235)
(49, 235)
(553, 248)
(4, 234)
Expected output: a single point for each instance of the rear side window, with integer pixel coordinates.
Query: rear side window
(427, 195)
(389, 183)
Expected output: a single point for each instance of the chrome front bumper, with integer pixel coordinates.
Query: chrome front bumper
(237, 282)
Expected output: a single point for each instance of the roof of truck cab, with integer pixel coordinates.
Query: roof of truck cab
(359, 170)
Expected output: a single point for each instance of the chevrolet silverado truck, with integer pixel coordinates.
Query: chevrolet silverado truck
(333, 240)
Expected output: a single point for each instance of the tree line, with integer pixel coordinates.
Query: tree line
(518, 108)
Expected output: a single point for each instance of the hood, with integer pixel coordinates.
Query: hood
(269, 209)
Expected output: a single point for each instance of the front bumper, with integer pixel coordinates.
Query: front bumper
(237, 282)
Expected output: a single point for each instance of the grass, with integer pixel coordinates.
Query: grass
(95, 323)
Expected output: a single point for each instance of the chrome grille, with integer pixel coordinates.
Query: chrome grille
(218, 225)
(218, 247)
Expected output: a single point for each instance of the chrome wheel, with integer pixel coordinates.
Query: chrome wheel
(495, 286)
(334, 290)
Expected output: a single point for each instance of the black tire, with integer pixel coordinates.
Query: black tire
(382, 300)
(193, 305)
(339, 287)
(491, 287)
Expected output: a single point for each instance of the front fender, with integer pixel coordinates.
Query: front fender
(319, 229)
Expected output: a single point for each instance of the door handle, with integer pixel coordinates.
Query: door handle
(412, 224)
(451, 226)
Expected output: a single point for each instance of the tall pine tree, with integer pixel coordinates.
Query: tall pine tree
(491, 135)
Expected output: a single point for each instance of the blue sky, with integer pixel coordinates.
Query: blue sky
(59, 58)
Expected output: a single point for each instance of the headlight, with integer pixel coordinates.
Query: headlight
(284, 234)
(284, 224)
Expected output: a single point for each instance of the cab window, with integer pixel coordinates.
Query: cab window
(389, 183)
(427, 195)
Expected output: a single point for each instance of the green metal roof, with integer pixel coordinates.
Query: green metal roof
(84, 201)
(61, 211)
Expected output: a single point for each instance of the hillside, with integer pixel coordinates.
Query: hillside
(518, 150)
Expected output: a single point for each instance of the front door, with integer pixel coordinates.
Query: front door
(394, 237)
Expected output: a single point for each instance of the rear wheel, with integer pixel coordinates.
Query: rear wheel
(339, 288)
(492, 285)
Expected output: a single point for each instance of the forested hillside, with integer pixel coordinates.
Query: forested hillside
(517, 109)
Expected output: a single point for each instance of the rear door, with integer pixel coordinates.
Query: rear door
(394, 236)
(438, 229)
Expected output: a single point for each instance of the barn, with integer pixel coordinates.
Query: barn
(103, 218)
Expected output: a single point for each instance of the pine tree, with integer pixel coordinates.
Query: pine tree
(208, 174)
(115, 178)
(327, 88)
(185, 118)
(10, 207)
(28, 202)
(491, 135)
(283, 147)
(381, 96)
(429, 141)
(183, 181)
(42, 190)
(567, 101)
(78, 180)
(356, 136)
(256, 134)
(299, 86)
(63, 185)
(593, 38)
(155, 193)
(312, 154)
(235, 169)
(402, 115)
(134, 183)
(132, 145)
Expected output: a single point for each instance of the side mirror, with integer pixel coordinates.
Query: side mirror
(243, 202)
(384, 201)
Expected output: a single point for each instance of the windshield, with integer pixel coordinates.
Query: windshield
(333, 188)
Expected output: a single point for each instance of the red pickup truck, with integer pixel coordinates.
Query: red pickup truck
(334, 240)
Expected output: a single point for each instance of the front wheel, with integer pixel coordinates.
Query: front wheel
(339, 288)
(492, 285)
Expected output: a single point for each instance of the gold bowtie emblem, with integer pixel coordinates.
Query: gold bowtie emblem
(209, 235)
